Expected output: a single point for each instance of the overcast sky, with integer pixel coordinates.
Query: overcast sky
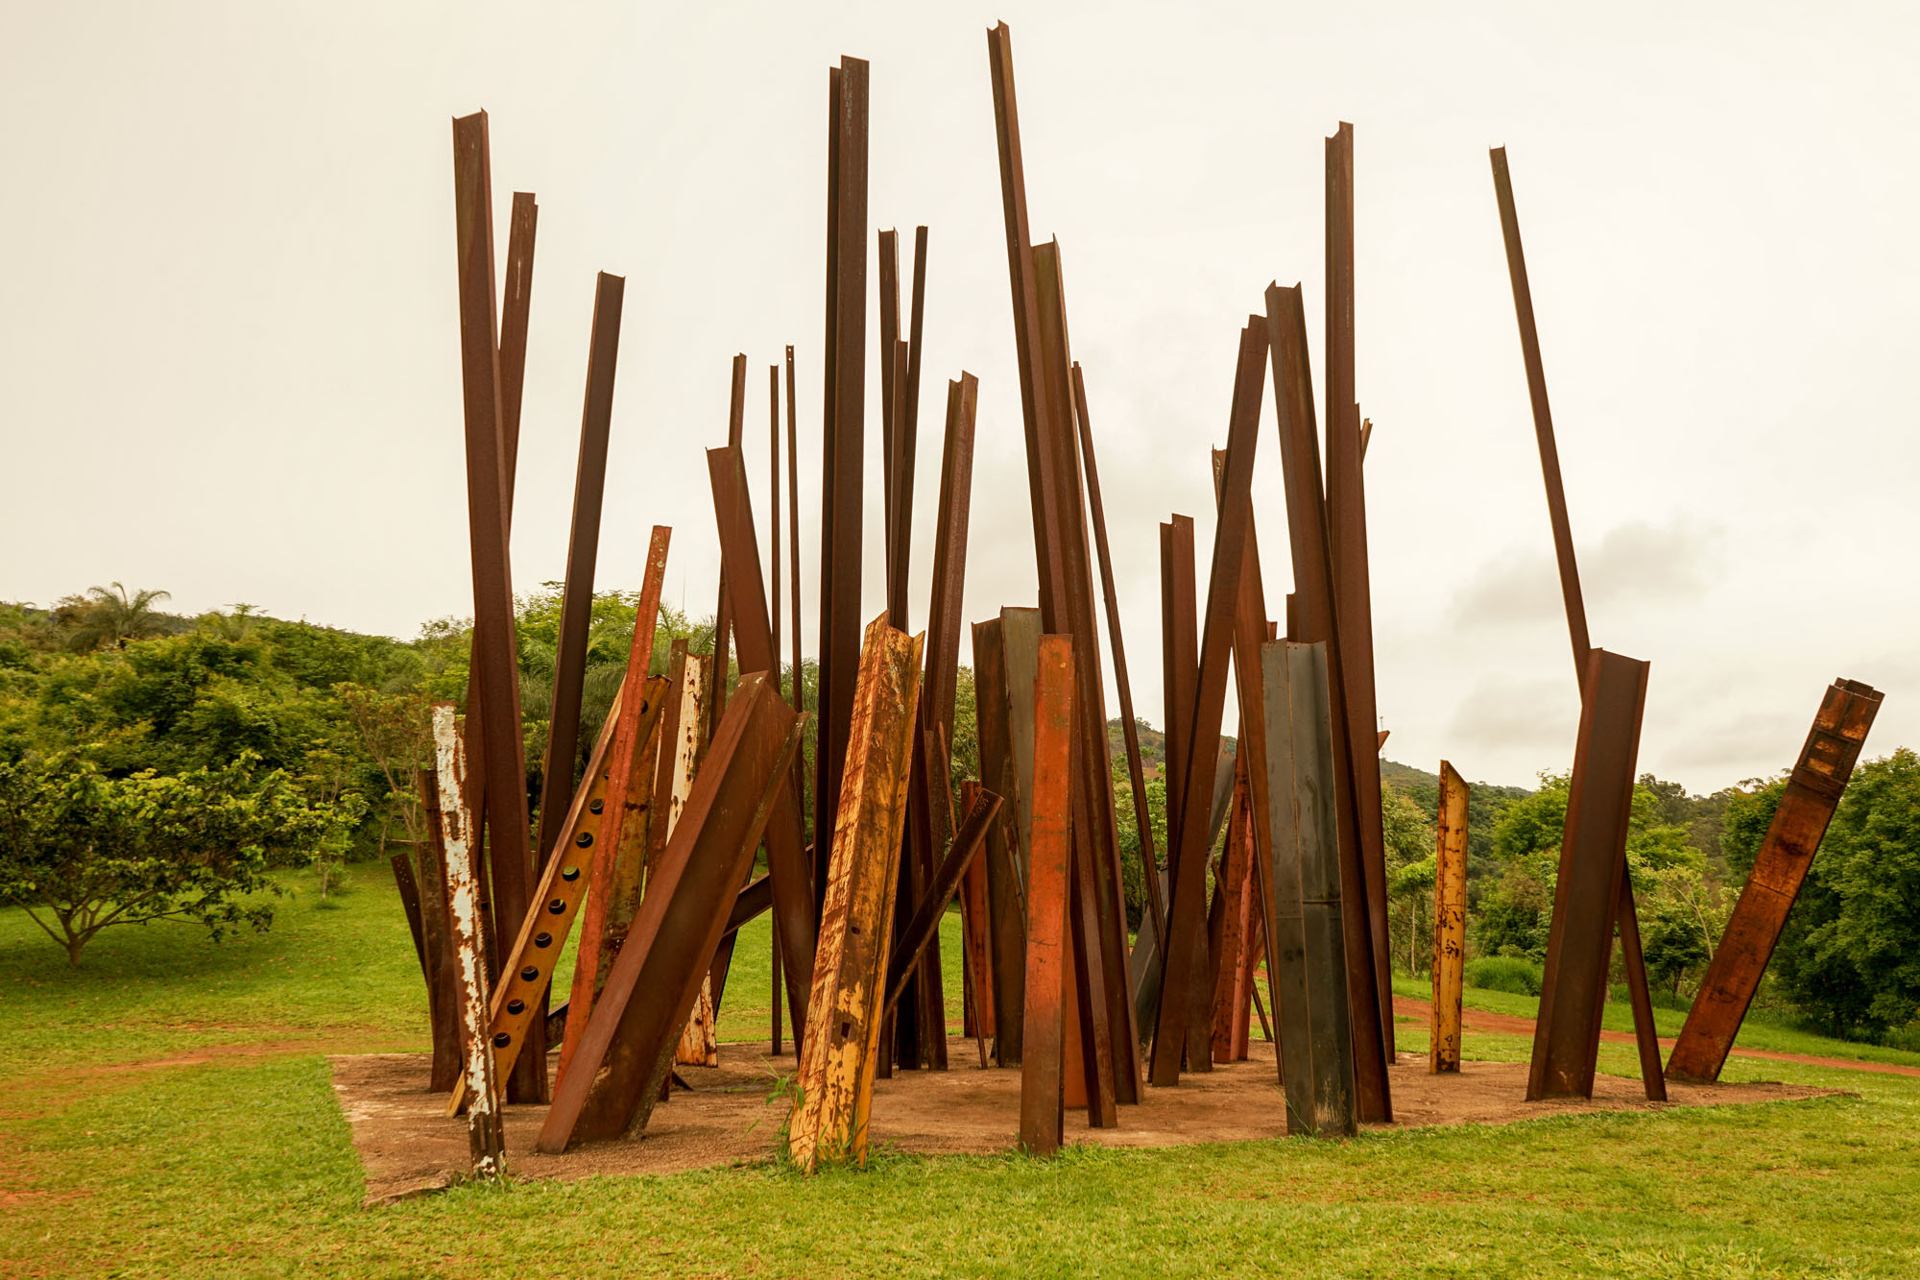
(229, 361)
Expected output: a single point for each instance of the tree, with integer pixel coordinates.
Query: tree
(110, 616)
(81, 851)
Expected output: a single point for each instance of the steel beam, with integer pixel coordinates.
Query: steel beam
(1807, 805)
(1314, 618)
(614, 1081)
(923, 928)
(1006, 879)
(835, 1095)
(438, 928)
(1042, 1061)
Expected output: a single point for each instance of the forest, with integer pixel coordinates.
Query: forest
(155, 765)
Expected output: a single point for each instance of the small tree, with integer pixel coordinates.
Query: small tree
(81, 851)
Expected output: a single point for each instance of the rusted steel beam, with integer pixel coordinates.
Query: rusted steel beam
(614, 1080)
(1807, 805)
(923, 928)
(1309, 981)
(438, 930)
(786, 839)
(1646, 1036)
(844, 436)
(1006, 880)
(409, 891)
(680, 740)
(1313, 617)
(1136, 770)
(976, 934)
(1347, 527)
(890, 393)
(1185, 999)
(723, 609)
(583, 548)
(828, 1122)
(753, 901)
(796, 691)
(908, 424)
(516, 306)
(494, 649)
(1109, 1011)
(1542, 414)
(588, 837)
(633, 842)
(1050, 853)
(1232, 983)
(485, 1136)
(1449, 919)
(773, 616)
(628, 742)
(1573, 987)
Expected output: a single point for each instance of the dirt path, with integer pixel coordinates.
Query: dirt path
(1512, 1024)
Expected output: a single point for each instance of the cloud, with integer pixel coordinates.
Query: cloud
(1636, 563)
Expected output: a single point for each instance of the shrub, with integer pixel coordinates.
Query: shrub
(1513, 974)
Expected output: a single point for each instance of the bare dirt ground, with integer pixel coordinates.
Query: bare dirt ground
(408, 1145)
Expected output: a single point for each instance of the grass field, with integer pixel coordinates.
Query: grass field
(165, 1111)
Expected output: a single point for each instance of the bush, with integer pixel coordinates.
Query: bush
(1512, 974)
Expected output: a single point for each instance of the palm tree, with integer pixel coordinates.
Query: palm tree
(110, 615)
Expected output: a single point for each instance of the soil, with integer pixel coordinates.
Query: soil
(407, 1144)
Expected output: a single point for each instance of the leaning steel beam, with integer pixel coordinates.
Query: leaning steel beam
(924, 925)
(1130, 727)
(753, 628)
(628, 743)
(1183, 994)
(828, 1121)
(1309, 980)
(1573, 985)
(1347, 529)
(1042, 1062)
(438, 929)
(613, 1082)
(844, 436)
(583, 547)
(516, 305)
(1314, 618)
(1812, 794)
(723, 608)
(888, 270)
(588, 837)
(509, 843)
(1449, 919)
(486, 1141)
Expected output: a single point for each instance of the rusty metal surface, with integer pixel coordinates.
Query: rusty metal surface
(1136, 771)
(976, 936)
(722, 665)
(1184, 994)
(1313, 618)
(1233, 896)
(888, 270)
(785, 836)
(969, 842)
(1006, 882)
(494, 650)
(843, 433)
(485, 1135)
(1807, 805)
(835, 1080)
(614, 1081)
(774, 1036)
(444, 1003)
(587, 840)
(583, 547)
(1573, 985)
(1310, 983)
(1449, 919)
(627, 743)
(1050, 853)
(516, 307)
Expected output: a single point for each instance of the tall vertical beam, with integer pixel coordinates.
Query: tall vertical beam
(1006, 881)
(723, 608)
(786, 841)
(1309, 980)
(486, 1140)
(438, 928)
(1573, 985)
(493, 630)
(844, 437)
(1180, 666)
(1182, 993)
(1449, 919)
(890, 391)
(1041, 1063)
(1314, 618)
(516, 307)
(614, 1081)
(583, 549)
(1136, 770)
(835, 1095)
(628, 743)
(773, 613)
(1807, 805)
(1347, 528)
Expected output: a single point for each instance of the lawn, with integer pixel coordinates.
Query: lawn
(165, 1110)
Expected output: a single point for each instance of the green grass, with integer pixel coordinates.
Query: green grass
(241, 1164)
